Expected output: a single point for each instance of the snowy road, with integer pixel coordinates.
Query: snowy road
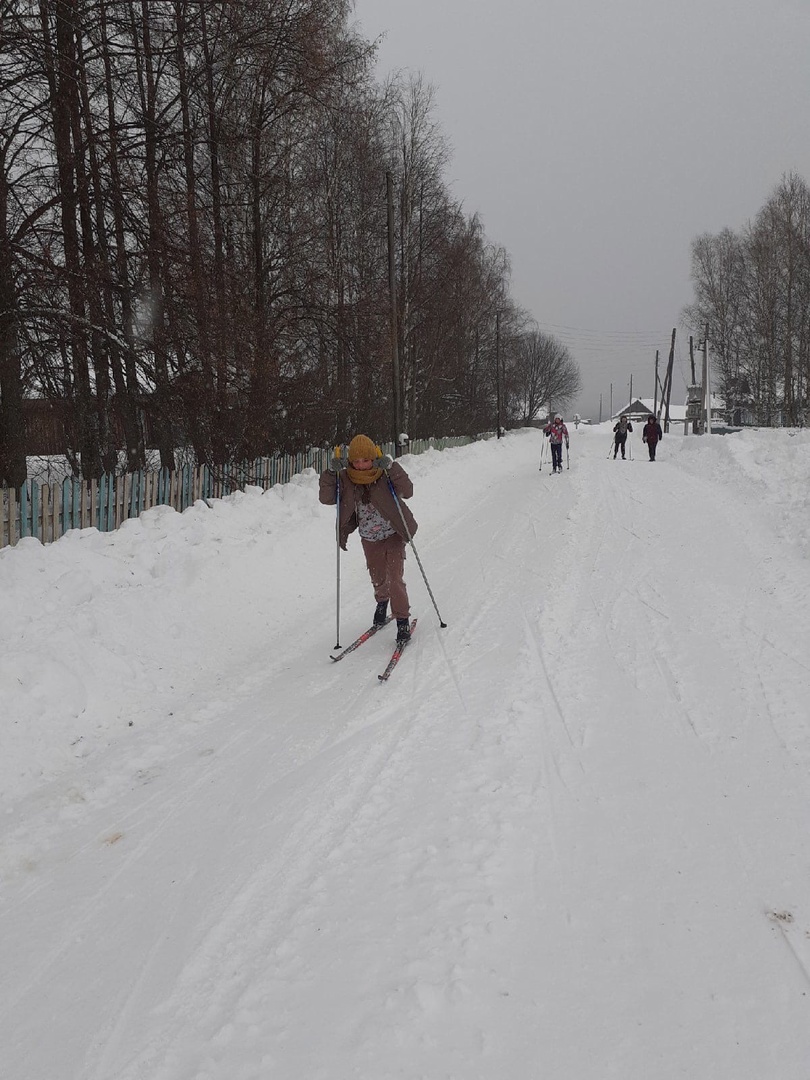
(568, 840)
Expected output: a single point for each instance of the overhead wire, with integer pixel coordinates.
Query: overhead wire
(587, 341)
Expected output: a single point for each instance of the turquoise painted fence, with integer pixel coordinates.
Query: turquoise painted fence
(48, 511)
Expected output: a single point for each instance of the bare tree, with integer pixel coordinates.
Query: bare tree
(752, 290)
(719, 270)
(21, 102)
(193, 235)
(543, 373)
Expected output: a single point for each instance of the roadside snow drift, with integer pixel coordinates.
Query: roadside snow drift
(569, 839)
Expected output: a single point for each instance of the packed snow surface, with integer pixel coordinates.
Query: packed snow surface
(569, 839)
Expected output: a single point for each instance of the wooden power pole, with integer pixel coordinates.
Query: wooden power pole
(668, 382)
(707, 390)
(655, 389)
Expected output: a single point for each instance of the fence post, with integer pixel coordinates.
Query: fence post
(75, 503)
(53, 512)
(34, 508)
(110, 508)
(14, 511)
(67, 489)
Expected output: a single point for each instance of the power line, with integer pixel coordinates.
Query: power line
(627, 335)
(588, 342)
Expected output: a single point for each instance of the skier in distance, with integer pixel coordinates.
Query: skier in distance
(555, 432)
(621, 431)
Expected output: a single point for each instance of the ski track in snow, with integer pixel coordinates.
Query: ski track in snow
(542, 849)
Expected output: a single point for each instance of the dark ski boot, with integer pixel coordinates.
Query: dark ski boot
(381, 614)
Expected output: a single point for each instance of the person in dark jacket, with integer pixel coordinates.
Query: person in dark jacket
(368, 505)
(621, 431)
(651, 435)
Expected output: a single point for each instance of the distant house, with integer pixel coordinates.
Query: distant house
(719, 412)
(50, 424)
(640, 408)
(635, 411)
(741, 415)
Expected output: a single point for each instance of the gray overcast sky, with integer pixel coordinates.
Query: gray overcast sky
(596, 138)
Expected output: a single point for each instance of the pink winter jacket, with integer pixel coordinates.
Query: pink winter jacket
(556, 432)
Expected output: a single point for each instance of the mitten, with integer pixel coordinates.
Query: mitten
(338, 461)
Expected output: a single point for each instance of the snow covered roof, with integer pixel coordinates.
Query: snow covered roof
(640, 407)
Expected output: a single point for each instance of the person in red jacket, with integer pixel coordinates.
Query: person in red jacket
(555, 432)
(651, 435)
(368, 505)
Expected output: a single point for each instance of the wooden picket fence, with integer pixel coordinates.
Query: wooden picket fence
(47, 511)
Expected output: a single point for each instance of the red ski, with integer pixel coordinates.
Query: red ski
(398, 651)
(372, 630)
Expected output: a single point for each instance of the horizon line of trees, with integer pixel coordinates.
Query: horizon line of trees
(752, 295)
(194, 246)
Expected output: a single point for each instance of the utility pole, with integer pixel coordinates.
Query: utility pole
(392, 291)
(611, 401)
(600, 408)
(707, 390)
(668, 381)
(498, 366)
(691, 398)
(631, 391)
(655, 388)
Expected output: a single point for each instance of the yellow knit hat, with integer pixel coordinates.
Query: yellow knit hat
(361, 448)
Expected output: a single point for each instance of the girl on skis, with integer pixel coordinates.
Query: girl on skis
(367, 504)
(621, 431)
(555, 432)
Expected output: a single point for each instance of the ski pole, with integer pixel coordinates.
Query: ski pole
(442, 623)
(612, 443)
(630, 446)
(337, 550)
(542, 453)
(567, 457)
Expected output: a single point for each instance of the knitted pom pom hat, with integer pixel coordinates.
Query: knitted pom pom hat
(361, 448)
